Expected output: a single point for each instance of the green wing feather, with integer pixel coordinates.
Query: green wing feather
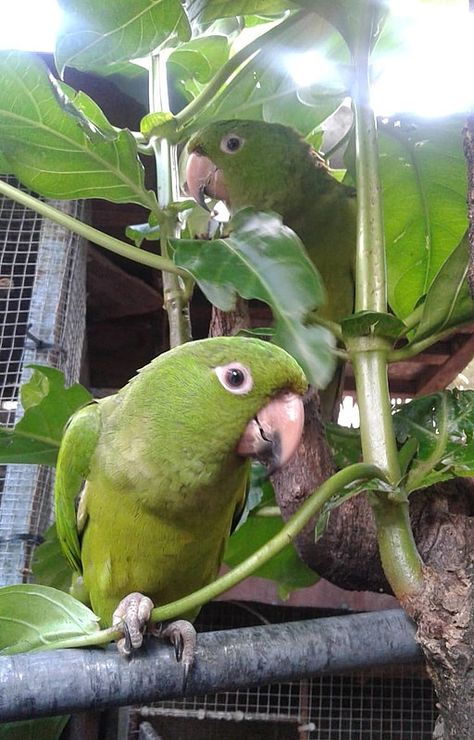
(77, 448)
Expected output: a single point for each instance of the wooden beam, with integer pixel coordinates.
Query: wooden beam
(435, 380)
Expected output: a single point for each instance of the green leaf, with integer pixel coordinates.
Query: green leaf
(34, 617)
(52, 145)
(424, 181)
(286, 568)
(139, 232)
(98, 34)
(264, 89)
(205, 11)
(265, 260)
(197, 60)
(345, 444)
(36, 437)
(448, 301)
(372, 323)
(46, 728)
(443, 426)
(50, 566)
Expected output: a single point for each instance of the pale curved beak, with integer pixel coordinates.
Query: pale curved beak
(204, 178)
(274, 434)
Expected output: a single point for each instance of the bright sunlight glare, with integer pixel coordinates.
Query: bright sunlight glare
(30, 25)
(426, 67)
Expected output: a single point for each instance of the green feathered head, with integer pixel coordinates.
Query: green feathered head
(218, 398)
(265, 165)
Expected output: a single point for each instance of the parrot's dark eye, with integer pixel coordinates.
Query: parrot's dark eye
(231, 143)
(235, 377)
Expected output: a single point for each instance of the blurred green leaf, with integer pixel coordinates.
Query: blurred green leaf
(448, 301)
(197, 60)
(265, 260)
(139, 232)
(50, 566)
(286, 568)
(345, 444)
(96, 34)
(372, 323)
(36, 437)
(424, 182)
(204, 11)
(34, 617)
(46, 728)
(443, 426)
(52, 145)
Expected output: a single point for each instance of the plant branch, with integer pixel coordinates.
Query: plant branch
(411, 350)
(175, 302)
(88, 232)
(400, 559)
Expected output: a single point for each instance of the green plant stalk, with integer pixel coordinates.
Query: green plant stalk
(411, 350)
(312, 505)
(400, 559)
(88, 232)
(174, 290)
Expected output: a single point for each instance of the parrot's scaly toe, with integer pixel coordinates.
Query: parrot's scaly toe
(131, 616)
(182, 636)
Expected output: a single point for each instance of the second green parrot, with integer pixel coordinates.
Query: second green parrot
(270, 167)
(150, 480)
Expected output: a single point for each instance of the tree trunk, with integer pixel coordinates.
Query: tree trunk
(442, 519)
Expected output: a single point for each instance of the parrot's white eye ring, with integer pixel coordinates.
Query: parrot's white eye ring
(235, 378)
(231, 143)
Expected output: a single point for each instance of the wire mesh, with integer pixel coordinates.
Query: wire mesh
(42, 321)
(392, 703)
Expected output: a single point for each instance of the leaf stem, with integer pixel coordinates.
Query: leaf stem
(174, 290)
(88, 232)
(411, 350)
(311, 506)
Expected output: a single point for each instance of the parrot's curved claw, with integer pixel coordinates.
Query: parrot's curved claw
(131, 616)
(182, 636)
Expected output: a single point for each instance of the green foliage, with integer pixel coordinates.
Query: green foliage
(43, 616)
(63, 146)
(264, 259)
(48, 406)
(46, 728)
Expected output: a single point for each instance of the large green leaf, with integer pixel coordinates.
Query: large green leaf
(443, 426)
(54, 148)
(265, 260)
(204, 11)
(194, 63)
(448, 301)
(424, 185)
(36, 437)
(34, 617)
(101, 33)
(265, 88)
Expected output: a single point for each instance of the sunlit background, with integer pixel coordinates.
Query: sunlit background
(426, 73)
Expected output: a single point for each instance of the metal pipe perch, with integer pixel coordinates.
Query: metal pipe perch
(69, 681)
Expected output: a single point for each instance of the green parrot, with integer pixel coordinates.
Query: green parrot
(150, 480)
(270, 167)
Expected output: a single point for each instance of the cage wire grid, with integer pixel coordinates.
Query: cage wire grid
(385, 703)
(42, 321)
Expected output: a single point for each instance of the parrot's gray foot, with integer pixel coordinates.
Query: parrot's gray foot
(182, 636)
(132, 616)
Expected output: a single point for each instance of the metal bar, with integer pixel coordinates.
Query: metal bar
(68, 681)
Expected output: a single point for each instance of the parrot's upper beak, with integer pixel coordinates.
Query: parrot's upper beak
(274, 434)
(204, 178)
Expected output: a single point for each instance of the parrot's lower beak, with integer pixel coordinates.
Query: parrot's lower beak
(204, 178)
(274, 434)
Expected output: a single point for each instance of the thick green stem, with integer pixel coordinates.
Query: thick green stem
(174, 292)
(88, 232)
(399, 556)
